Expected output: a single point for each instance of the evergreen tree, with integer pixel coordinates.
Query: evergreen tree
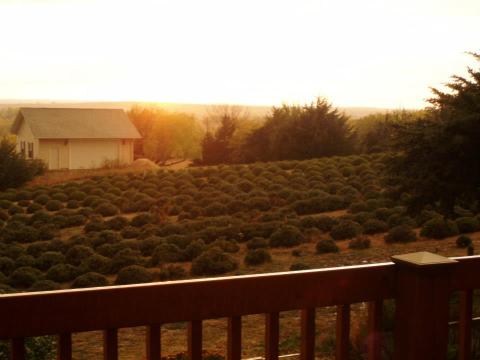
(438, 159)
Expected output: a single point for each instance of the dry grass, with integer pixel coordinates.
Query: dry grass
(55, 177)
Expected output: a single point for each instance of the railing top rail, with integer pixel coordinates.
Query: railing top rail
(467, 274)
(64, 311)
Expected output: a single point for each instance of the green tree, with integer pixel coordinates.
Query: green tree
(14, 169)
(166, 135)
(218, 143)
(301, 132)
(374, 132)
(438, 158)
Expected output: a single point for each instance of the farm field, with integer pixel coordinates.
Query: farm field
(208, 221)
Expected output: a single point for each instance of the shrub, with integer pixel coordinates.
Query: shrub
(130, 232)
(5, 204)
(298, 266)
(3, 280)
(15, 170)
(37, 348)
(40, 216)
(439, 228)
(91, 279)
(229, 246)
(399, 219)
(142, 219)
(16, 232)
(362, 216)
(24, 277)
(6, 265)
(42, 199)
(95, 263)
(166, 253)
(25, 260)
(400, 233)
(60, 221)
(37, 248)
(359, 243)
(194, 249)
(383, 213)
(358, 207)
(77, 196)
(106, 209)
(62, 273)
(467, 224)
(73, 204)
(48, 259)
(76, 254)
(124, 258)
(257, 243)
(47, 232)
(14, 209)
(213, 262)
(54, 205)
(257, 257)
(286, 236)
(105, 237)
(117, 223)
(374, 226)
(346, 229)
(215, 209)
(60, 196)
(94, 226)
(110, 250)
(13, 251)
(463, 241)
(3, 215)
(44, 285)
(172, 272)
(75, 220)
(133, 275)
(326, 246)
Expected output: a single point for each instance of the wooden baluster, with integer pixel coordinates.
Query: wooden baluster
(342, 336)
(465, 325)
(153, 342)
(234, 338)
(374, 336)
(271, 336)
(64, 346)
(18, 349)
(195, 340)
(307, 347)
(110, 344)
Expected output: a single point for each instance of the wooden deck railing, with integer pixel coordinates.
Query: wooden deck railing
(421, 286)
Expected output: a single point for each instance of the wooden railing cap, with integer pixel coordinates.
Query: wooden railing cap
(422, 259)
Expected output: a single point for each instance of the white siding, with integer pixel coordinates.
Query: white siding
(88, 154)
(25, 134)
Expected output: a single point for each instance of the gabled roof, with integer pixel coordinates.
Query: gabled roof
(71, 123)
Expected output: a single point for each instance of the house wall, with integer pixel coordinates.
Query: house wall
(48, 150)
(25, 134)
(126, 152)
(95, 153)
(83, 153)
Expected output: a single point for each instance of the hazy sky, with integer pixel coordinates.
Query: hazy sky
(356, 53)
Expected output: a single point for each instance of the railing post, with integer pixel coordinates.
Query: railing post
(422, 306)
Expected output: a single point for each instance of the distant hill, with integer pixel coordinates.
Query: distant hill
(199, 110)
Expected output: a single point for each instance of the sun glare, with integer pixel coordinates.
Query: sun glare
(247, 52)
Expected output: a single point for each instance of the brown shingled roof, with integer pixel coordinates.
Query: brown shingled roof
(71, 123)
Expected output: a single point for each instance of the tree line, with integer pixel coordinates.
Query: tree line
(435, 152)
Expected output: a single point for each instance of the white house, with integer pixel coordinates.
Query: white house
(75, 138)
